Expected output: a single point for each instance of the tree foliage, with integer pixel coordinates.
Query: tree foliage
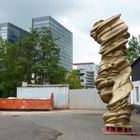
(73, 80)
(34, 58)
(134, 48)
(41, 56)
(10, 70)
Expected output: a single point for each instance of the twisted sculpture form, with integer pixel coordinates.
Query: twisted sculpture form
(113, 80)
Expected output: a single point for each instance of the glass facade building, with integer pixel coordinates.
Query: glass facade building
(11, 32)
(64, 38)
(87, 73)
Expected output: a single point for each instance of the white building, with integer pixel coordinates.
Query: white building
(87, 73)
(135, 94)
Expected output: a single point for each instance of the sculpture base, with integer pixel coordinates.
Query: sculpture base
(118, 131)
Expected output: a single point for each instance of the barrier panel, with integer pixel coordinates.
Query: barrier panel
(27, 104)
(61, 93)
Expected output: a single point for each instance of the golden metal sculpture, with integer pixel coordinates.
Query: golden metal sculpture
(113, 80)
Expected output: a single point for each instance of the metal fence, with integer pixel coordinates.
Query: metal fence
(63, 97)
(61, 94)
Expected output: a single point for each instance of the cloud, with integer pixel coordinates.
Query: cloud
(76, 15)
(20, 12)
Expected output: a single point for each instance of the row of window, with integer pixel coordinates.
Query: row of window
(59, 27)
(3, 28)
(63, 38)
(37, 22)
(3, 34)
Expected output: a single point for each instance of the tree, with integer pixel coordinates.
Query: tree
(10, 70)
(40, 55)
(73, 80)
(57, 75)
(48, 56)
(33, 58)
(134, 48)
(28, 54)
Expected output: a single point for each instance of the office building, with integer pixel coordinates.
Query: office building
(64, 38)
(87, 72)
(11, 32)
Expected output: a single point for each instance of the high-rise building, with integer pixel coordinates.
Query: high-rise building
(11, 32)
(64, 38)
(87, 72)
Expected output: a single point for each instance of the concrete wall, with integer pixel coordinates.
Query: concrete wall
(85, 99)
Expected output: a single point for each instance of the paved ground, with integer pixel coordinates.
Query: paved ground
(67, 125)
(20, 128)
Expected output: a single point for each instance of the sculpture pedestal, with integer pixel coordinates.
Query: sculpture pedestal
(119, 131)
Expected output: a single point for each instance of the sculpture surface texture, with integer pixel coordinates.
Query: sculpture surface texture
(113, 80)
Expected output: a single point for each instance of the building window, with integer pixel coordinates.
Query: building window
(137, 94)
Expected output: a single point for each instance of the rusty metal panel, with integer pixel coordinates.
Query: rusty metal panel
(61, 94)
(25, 104)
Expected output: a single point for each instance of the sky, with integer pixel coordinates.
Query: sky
(76, 15)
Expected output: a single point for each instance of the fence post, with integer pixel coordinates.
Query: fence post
(52, 100)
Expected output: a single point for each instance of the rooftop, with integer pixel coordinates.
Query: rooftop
(83, 63)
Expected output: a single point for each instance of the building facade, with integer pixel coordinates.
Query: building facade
(11, 32)
(64, 38)
(87, 72)
(135, 94)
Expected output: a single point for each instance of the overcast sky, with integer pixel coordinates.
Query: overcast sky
(76, 15)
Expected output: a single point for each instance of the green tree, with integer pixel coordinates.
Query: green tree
(134, 48)
(40, 56)
(10, 70)
(57, 75)
(35, 57)
(28, 54)
(48, 57)
(73, 80)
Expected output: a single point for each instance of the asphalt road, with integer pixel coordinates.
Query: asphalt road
(60, 125)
